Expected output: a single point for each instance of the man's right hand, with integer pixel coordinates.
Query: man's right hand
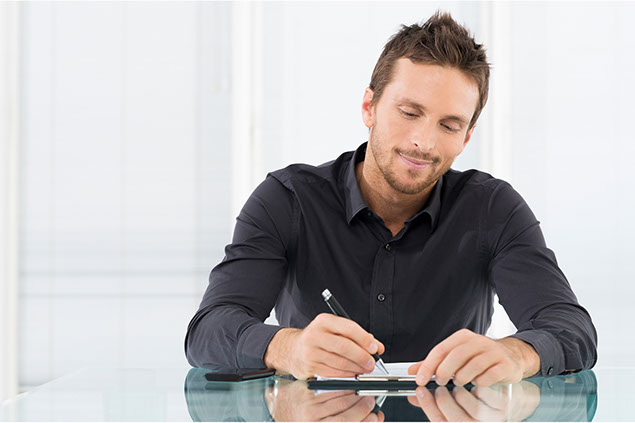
(330, 346)
(292, 401)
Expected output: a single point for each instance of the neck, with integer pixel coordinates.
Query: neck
(392, 206)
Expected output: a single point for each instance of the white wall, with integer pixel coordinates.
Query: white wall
(125, 111)
(9, 193)
(128, 172)
(572, 113)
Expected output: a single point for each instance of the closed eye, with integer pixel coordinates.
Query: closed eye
(449, 128)
(409, 115)
(414, 115)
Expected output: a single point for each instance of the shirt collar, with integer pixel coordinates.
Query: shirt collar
(355, 201)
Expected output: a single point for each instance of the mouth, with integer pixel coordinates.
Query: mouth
(414, 163)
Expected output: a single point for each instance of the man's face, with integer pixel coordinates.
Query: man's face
(420, 124)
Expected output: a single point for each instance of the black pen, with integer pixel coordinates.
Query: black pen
(337, 310)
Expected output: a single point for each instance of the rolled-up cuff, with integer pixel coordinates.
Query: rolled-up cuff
(253, 344)
(548, 349)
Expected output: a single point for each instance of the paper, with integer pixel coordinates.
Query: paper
(394, 369)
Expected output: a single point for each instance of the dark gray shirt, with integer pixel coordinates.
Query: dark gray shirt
(308, 228)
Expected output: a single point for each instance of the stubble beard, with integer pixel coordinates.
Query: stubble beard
(384, 162)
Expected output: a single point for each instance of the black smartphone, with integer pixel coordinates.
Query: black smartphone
(237, 375)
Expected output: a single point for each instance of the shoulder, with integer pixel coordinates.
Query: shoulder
(297, 175)
(473, 180)
(477, 186)
(282, 189)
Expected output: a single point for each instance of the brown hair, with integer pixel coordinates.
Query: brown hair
(441, 41)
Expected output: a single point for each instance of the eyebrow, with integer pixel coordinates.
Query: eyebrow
(415, 105)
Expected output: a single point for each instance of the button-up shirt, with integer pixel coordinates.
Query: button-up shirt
(306, 228)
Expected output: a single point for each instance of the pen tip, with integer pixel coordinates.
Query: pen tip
(380, 364)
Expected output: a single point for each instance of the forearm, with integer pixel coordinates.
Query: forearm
(280, 350)
(533, 289)
(525, 353)
(228, 328)
(564, 337)
(227, 336)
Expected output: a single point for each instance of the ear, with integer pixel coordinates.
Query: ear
(368, 112)
(468, 136)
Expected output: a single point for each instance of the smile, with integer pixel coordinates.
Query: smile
(414, 163)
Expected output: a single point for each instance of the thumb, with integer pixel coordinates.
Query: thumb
(381, 349)
(412, 370)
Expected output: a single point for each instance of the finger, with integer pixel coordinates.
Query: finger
(324, 370)
(493, 375)
(381, 348)
(456, 360)
(429, 366)
(412, 399)
(426, 371)
(357, 412)
(372, 417)
(449, 407)
(477, 409)
(351, 330)
(494, 398)
(270, 399)
(347, 355)
(346, 348)
(412, 370)
(326, 396)
(429, 406)
(381, 416)
(335, 406)
(321, 365)
(477, 365)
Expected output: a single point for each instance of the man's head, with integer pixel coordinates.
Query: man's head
(425, 95)
(440, 41)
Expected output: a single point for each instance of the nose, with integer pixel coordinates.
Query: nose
(424, 138)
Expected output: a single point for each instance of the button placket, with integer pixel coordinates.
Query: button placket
(381, 313)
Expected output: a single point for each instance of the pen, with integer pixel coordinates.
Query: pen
(379, 401)
(337, 309)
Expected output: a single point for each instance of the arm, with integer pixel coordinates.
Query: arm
(329, 346)
(554, 332)
(532, 288)
(466, 356)
(228, 328)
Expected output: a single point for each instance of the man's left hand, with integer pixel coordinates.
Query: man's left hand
(469, 357)
(499, 403)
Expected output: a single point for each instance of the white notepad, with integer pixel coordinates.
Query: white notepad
(394, 369)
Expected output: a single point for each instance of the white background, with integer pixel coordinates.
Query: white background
(144, 126)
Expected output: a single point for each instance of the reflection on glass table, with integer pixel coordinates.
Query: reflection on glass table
(561, 398)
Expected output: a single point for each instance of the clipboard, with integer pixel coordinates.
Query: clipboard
(377, 383)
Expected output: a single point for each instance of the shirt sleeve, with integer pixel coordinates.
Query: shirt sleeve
(533, 290)
(228, 329)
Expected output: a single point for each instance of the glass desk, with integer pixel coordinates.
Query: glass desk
(603, 394)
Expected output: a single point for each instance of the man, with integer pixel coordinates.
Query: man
(413, 250)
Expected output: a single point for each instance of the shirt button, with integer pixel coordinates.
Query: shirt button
(550, 371)
(381, 297)
(387, 247)
(369, 214)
